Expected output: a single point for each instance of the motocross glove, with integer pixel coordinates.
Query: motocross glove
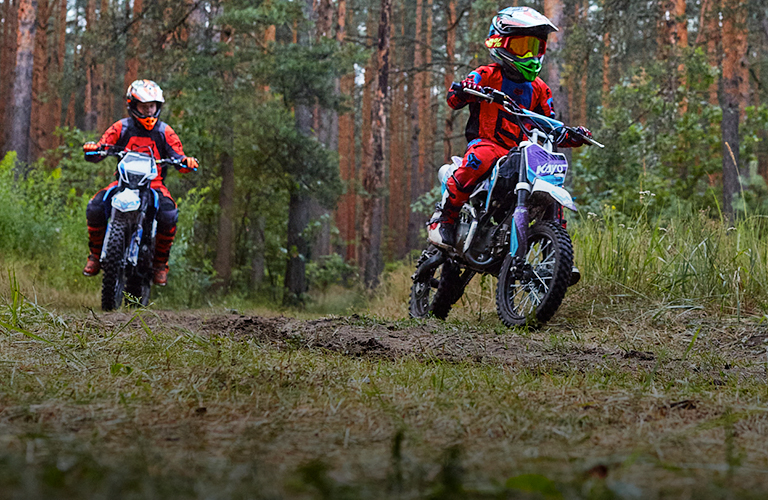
(469, 83)
(190, 164)
(569, 139)
(90, 147)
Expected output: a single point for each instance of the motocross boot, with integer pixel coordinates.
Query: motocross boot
(93, 266)
(441, 228)
(161, 275)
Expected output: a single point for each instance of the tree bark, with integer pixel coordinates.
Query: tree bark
(607, 82)
(709, 37)
(132, 59)
(7, 68)
(415, 220)
(91, 79)
(553, 9)
(299, 204)
(450, 57)
(373, 204)
(41, 127)
(258, 242)
(22, 83)
(734, 50)
(226, 231)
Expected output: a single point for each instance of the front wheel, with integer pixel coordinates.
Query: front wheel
(531, 293)
(113, 265)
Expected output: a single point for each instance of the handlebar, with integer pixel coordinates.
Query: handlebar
(547, 125)
(107, 150)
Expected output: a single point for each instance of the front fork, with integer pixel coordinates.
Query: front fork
(519, 234)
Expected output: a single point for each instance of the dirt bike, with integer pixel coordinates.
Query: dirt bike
(129, 243)
(510, 228)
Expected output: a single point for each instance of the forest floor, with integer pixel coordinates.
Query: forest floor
(612, 399)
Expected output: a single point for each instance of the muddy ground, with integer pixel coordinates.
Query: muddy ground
(561, 345)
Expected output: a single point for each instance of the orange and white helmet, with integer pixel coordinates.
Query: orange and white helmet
(144, 91)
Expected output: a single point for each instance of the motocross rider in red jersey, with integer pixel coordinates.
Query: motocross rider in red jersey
(141, 132)
(517, 42)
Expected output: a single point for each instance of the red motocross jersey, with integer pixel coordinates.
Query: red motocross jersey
(489, 120)
(161, 140)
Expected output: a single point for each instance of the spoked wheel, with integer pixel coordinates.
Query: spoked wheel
(113, 265)
(530, 294)
(435, 294)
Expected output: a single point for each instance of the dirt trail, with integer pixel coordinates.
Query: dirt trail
(355, 336)
(740, 343)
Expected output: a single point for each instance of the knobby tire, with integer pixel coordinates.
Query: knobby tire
(113, 266)
(448, 288)
(553, 279)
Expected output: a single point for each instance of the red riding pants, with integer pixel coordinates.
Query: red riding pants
(480, 156)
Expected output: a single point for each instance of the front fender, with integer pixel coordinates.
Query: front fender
(127, 200)
(557, 193)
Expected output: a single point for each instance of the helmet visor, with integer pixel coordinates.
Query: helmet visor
(520, 46)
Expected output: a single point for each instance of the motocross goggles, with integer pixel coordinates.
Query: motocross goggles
(520, 46)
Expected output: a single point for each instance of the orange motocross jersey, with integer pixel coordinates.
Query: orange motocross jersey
(489, 120)
(162, 141)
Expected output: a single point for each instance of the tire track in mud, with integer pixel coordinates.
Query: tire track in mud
(741, 347)
(429, 341)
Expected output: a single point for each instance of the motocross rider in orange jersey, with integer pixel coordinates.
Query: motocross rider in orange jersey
(517, 42)
(142, 132)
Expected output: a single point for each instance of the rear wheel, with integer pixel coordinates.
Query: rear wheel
(113, 265)
(139, 282)
(436, 293)
(532, 292)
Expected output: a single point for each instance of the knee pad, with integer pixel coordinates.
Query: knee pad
(167, 219)
(95, 213)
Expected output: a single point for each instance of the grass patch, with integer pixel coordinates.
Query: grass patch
(210, 405)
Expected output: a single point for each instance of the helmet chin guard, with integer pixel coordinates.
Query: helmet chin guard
(516, 23)
(144, 91)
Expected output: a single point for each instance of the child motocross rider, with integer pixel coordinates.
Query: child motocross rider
(143, 132)
(517, 41)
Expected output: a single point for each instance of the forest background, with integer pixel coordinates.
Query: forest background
(320, 125)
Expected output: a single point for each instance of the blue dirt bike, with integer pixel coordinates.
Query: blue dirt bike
(510, 228)
(129, 244)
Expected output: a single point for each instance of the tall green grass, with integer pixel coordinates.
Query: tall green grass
(688, 260)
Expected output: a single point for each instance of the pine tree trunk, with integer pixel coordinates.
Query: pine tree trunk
(607, 51)
(553, 9)
(373, 182)
(226, 230)
(709, 37)
(91, 79)
(7, 68)
(734, 51)
(425, 125)
(41, 131)
(55, 103)
(415, 220)
(299, 205)
(345, 213)
(450, 57)
(258, 245)
(132, 56)
(22, 83)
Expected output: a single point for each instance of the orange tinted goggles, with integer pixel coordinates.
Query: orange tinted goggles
(521, 46)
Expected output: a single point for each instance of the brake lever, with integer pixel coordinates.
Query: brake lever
(588, 140)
